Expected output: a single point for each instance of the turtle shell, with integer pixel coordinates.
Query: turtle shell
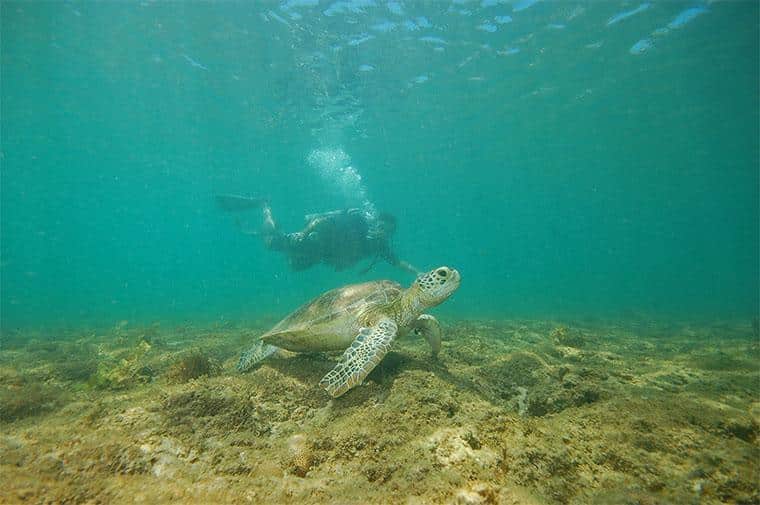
(331, 321)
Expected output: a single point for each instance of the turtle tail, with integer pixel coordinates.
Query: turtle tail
(259, 352)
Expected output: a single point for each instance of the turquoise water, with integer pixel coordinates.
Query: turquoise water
(569, 158)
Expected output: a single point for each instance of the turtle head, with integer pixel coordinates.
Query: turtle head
(436, 286)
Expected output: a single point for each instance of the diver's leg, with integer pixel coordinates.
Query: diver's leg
(268, 226)
(273, 238)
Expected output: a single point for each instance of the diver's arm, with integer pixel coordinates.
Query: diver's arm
(406, 266)
(244, 230)
(318, 216)
(393, 260)
(234, 203)
(369, 267)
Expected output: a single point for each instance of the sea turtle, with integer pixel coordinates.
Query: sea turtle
(363, 319)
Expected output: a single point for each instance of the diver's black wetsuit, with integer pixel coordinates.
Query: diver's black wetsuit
(339, 238)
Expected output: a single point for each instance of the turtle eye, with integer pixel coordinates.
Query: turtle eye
(442, 272)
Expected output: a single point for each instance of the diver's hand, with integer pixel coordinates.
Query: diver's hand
(408, 267)
(243, 229)
(366, 269)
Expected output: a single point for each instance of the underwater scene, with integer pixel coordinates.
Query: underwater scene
(380, 252)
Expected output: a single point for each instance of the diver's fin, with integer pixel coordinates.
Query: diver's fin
(238, 202)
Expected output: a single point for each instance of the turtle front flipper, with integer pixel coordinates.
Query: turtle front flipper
(255, 354)
(429, 327)
(365, 352)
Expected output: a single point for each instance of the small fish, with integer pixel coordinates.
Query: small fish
(502, 20)
(433, 40)
(625, 15)
(526, 38)
(468, 59)
(524, 4)
(487, 27)
(360, 40)
(276, 17)
(576, 12)
(508, 51)
(366, 68)
(641, 47)
(410, 25)
(395, 8)
(333, 10)
(290, 4)
(384, 27)
(194, 63)
(686, 16)
(422, 22)
(491, 3)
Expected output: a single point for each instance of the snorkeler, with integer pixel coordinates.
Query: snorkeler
(339, 238)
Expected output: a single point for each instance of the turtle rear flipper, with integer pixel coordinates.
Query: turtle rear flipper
(365, 352)
(259, 352)
(429, 327)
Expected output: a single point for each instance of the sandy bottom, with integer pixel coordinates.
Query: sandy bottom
(512, 412)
